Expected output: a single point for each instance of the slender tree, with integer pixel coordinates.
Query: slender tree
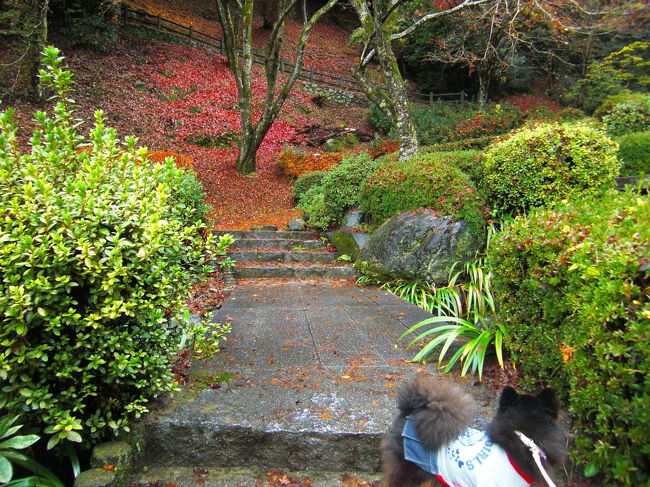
(236, 19)
(380, 27)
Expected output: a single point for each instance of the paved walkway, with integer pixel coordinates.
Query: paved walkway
(315, 371)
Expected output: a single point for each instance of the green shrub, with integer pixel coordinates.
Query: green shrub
(539, 165)
(621, 71)
(97, 253)
(470, 162)
(634, 153)
(625, 113)
(573, 289)
(93, 31)
(425, 181)
(316, 209)
(339, 190)
(305, 182)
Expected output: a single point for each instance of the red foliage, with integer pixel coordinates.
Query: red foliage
(383, 148)
(180, 160)
(526, 103)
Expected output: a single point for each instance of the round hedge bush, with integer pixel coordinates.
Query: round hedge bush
(327, 203)
(426, 181)
(539, 165)
(305, 182)
(625, 113)
(634, 153)
(96, 255)
(573, 288)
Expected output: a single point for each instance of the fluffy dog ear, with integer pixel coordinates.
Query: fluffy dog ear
(509, 398)
(549, 401)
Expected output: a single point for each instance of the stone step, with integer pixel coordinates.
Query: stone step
(278, 243)
(266, 234)
(257, 270)
(260, 255)
(253, 477)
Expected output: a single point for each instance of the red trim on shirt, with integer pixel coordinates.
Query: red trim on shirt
(442, 481)
(522, 474)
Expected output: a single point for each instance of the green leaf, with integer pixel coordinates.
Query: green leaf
(74, 436)
(591, 470)
(6, 470)
(19, 442)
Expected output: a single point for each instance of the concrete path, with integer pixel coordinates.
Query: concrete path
(314, 368)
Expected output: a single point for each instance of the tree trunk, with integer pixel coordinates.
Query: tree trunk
(483, 89)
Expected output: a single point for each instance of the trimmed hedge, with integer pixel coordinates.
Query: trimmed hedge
(326, 204)
(426, 181)
(539, 165)
(634, 153)
(625, 113)
(99, 248)
(573, 288)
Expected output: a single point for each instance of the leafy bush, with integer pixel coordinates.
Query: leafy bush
(634, 153)
(327, 204)
(95, 258)
(425, 181)
(305, 182)
(379, 120)
(573, 288)
(625, 113)
(622, 70)
(461, 145)
(500, 120)
(539, 165)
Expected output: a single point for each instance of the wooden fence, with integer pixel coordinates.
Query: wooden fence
(189, 34)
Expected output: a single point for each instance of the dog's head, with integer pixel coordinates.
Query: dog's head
(533, 415)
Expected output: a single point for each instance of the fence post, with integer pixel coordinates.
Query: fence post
(462, 96)
(222, 49)
(311, 75)
(158, 24)
(191, 32)
(431, 98)
(281, 65)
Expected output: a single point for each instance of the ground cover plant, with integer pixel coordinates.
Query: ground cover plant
(99, 248)
(634, 153)
(426, 181)
(572, 287)
(538, 165)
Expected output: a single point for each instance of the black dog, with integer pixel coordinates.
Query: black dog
(431, 438)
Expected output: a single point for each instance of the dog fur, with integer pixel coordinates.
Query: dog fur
(441, 411)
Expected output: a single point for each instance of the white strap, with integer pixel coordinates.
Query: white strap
(538, 455)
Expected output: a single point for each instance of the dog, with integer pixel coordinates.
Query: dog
(432, 439)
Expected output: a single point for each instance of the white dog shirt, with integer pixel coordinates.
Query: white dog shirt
(472, 460)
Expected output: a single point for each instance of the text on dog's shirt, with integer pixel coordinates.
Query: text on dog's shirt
(472, 460)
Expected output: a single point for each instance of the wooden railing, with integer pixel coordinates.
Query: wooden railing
(189, 34)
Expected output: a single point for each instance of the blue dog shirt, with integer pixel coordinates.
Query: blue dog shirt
(472, 460)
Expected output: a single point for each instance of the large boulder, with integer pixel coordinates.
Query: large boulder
(418, 245)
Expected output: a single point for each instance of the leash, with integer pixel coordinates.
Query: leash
(538, 455)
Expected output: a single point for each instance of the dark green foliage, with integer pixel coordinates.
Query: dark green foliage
(625, 113)
(634, 153)
(466, 144)
(305, 182)
(574, 291)
(326, 204)
(95, 32)
(379, 120)
(426, 181)
(99, 248)
(539, 165)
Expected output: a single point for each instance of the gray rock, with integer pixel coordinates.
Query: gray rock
(97, 477)
(118, 453)
(268, 228)
(296, 225)
(352, 219)
(418, 245)
(349, 243)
